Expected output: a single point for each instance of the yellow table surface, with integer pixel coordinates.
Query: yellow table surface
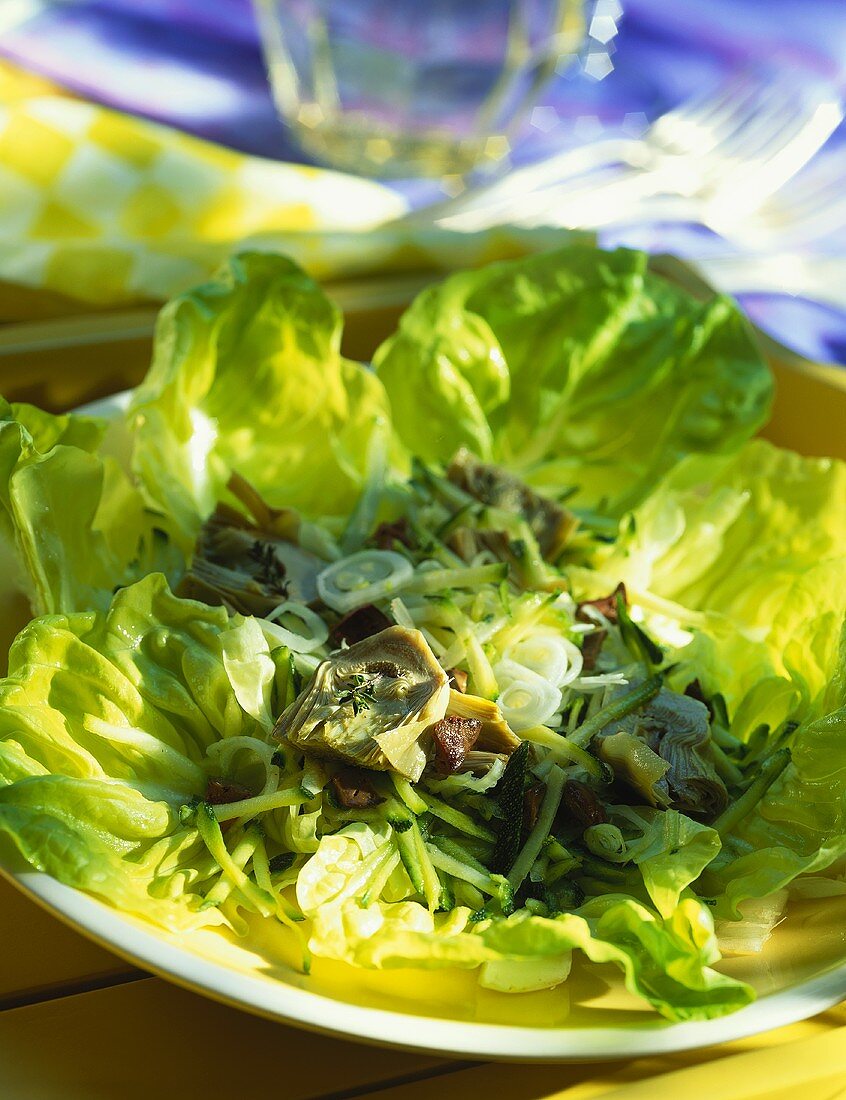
(77, 1023)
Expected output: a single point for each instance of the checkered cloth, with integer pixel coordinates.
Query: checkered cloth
(105, 208)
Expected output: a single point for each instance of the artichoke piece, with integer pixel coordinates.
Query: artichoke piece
(636, 764)
(676, 728)
(495, 736)
(372, 704)
(248, 566)
(552, 525)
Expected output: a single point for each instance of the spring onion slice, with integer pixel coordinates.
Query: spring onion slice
(525, 698)
(315, 634)
(542, 653)
(363, 578)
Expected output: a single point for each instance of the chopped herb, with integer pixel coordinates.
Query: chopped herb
(271, 571)
(360, 696)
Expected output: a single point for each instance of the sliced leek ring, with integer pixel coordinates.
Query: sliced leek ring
(315, 634)
(363, 578)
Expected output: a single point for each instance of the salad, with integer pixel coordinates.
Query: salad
(514, 645)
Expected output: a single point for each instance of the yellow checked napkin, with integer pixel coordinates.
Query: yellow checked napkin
(104, 209)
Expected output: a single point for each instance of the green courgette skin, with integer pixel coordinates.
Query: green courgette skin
(509, 794)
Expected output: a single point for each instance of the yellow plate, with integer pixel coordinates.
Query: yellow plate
(801, 971)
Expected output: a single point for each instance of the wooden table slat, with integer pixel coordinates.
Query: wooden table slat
(41, 956)
(587, 1080)
(147, 1038)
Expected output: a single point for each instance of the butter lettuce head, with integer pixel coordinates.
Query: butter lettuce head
(247, 375)
(579, 366)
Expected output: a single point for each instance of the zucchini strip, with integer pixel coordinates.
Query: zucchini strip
(541, 830)
(615, 710)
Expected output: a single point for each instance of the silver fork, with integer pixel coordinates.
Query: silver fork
(806, 211)
(733, 148)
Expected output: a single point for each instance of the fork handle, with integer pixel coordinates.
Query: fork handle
(551, 170)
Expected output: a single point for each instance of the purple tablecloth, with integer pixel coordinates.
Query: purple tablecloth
(197, 65)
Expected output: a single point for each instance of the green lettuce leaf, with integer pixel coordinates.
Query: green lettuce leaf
(669, 850)
(72, 522)
(748, 552)
(106, 721)
(48, 429)
(247, 375)
(577, 365)
(799, 826)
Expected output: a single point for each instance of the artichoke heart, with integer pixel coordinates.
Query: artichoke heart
(636, 764)
(676, 729)
(250, 564)
(552, 525)
(496, 735)
(371, 704)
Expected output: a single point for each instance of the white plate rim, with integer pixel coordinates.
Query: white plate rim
(277, 1000)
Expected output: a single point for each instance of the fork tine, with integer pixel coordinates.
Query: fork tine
(711, 102)
(742, 141)
(809, 219)
(773, 121)
(698, 132)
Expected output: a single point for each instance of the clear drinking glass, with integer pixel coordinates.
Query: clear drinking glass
(412, 87)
